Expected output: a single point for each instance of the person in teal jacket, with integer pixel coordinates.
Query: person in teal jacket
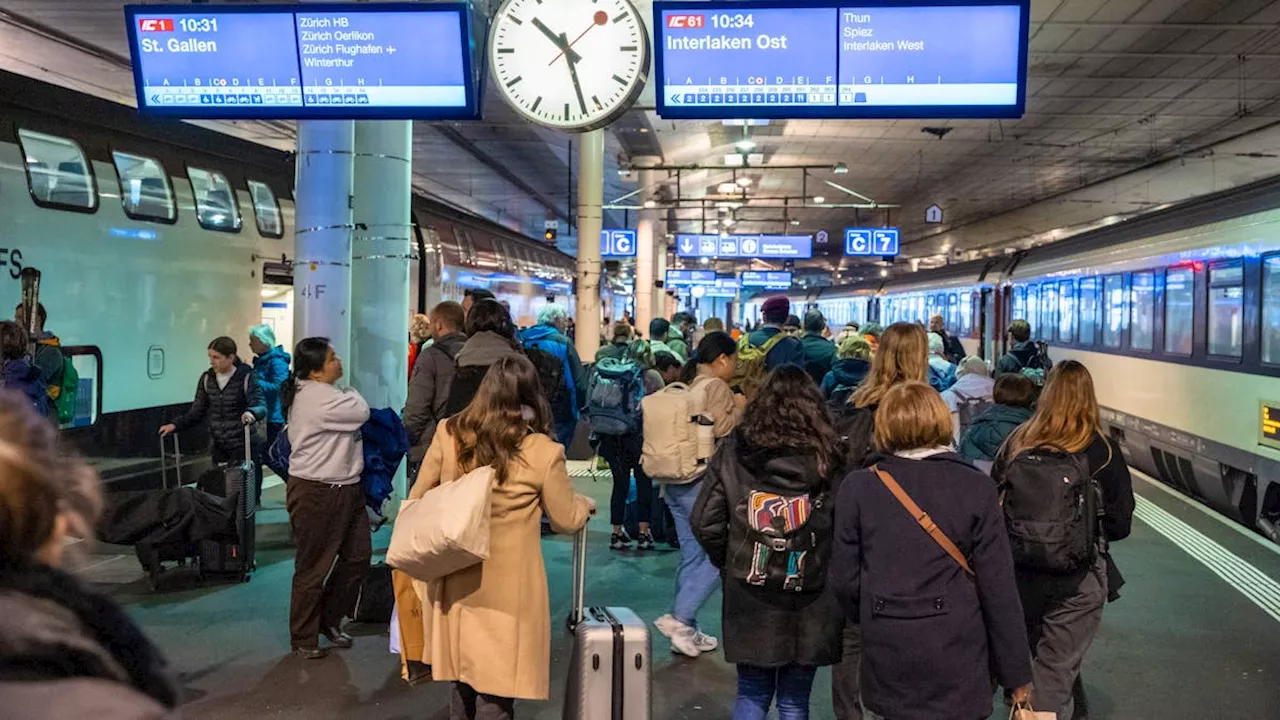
(271, 368)
(1013, 396)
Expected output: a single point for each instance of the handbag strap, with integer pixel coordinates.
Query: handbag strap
(923, 518)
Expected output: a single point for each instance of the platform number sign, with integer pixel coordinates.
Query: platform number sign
(872, 242)
(617, 243)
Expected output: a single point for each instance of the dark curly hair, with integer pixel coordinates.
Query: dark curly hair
(790, 414)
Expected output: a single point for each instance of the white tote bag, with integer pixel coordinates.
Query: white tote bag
(446, 530)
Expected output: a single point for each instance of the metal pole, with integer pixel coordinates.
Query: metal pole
(322, 240)
(590, 223)
(646, 248)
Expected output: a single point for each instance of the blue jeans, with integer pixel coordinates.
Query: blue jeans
(696, 578)
(758, 686)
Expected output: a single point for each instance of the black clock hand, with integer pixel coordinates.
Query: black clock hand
(561, 41)
(577, 86)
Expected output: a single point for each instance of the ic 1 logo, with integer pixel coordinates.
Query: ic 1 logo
(687, 21)
(155, 24)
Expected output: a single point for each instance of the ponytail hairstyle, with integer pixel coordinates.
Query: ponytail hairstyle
(309, 356)
(713, 345)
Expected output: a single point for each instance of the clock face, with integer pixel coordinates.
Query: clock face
(569, 64)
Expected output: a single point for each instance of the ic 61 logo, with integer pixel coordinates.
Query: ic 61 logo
(691, 22)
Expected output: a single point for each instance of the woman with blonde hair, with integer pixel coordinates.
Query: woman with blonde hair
(939, 607)
(488, 628)
(903, 356)
(1064, 610)
(853, 362)
(65, 650)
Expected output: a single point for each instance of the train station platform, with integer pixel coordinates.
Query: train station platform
(1196, 633)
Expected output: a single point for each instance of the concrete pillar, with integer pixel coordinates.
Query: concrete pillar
(322, 243)
(380, 254)
(660, 297)
(590, 222)
(648, 235)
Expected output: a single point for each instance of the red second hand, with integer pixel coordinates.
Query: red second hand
(600, 18)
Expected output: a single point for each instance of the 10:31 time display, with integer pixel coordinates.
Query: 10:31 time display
(198, 24)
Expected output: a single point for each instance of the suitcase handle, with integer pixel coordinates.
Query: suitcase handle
(577, 610)
(248, 446)
(177, 462)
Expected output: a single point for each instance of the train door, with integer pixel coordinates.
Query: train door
(991, 321)
(277, 312)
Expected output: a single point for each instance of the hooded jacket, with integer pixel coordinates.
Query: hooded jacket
(272, 369)
(764, 628)
(819, 355)
(550, 340)
(429, 392)
(473, 360)
(931, 636)
(67, 652)
(224, 406)
(847, 374)
(21, 376)
(384, 445)
(988, 431)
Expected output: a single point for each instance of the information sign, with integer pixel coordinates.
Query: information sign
(617, 243)
(872, 242)
(827, 59)
(392, 60)
(1270, 424)
(744, 246)
(689, 278)
(766, 280)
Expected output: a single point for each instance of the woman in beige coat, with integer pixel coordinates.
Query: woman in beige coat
(488, 628)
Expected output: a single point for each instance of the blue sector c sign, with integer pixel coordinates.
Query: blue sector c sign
(617, 243)
(872, 242)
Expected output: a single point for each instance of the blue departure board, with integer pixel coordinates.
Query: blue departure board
(689, 278)
(826, 59)
(769, 280)
(744, 246)
(384, 60)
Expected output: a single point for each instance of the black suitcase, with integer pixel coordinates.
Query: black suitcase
(153, 555)
(233, 480)
(377, 596)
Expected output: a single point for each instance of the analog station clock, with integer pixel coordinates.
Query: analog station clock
(569, 64)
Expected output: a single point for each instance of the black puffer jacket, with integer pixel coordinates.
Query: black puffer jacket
(761, 627)
(66, 652)
(224, 406)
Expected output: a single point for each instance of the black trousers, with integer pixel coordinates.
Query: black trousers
(331, 532)
(467, 704)
(622, 452)
(846, 693)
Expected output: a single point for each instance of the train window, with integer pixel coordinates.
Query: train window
(966, 314)
(1067, 311)
(1179, 310)
(1142, 311)
(1271, 310)
(1033, 310)
(1048, 324)
(1113, 304)
(145, 192)
(1226, 309)
(1088, 310)
(216, 206)
(266, 210)
(57, 173)
(953, 312)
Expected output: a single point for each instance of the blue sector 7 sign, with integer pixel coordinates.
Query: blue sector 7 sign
(827, 59)
(872, 242)
(745, 246)
(617, 243)
(391, 60)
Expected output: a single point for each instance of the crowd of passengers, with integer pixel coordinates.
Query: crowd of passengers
(847, 427)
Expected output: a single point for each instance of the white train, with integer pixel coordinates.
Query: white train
(1177, 316)
(155, 237)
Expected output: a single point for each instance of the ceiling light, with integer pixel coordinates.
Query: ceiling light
(650, 204)
(884, 272)
(624, 172)
(734, 160)
(746, 144)
(795, 222)
(706, 261)
(744, 182)
(755, 159)
(840, 169)
(727, 188)
(728, 222)
(818, 199)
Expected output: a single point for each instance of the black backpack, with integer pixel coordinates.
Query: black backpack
(856, 428)
(551, 377)
(780, 540)
(1051, 506)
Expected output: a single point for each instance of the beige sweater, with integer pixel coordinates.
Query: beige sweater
(719, 405)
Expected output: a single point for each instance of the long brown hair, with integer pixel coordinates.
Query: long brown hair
(1066, 416)
(903, 356)
(492, 428)
(790, 414)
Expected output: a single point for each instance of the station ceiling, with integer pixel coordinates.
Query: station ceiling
(1116, 88)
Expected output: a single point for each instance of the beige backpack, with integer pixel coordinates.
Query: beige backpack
(678, 438)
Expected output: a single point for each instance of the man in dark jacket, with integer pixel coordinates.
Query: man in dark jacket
(48, 358)
(432, 373)
(17, 374)
(819, 352)
(1023, 355)
(953, 350)
(788, 351)
(548, 337)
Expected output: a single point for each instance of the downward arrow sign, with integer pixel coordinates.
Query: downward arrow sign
(687, 247)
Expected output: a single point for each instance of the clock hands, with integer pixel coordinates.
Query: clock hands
(577, 86)
(600, 18)
(561, 41)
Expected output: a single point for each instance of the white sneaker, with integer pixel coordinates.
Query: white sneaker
(668, 625)
(685, 640)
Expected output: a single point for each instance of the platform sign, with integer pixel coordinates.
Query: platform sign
(1270, 424)
(827, 59)
(691, 278)
(617, 243)
(766, 280)
(744, 246)
(872, 242)
(286, 62)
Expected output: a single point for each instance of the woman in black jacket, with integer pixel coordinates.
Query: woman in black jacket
(229, 396)
(776, 468)
(935, 625)
(1064, 611)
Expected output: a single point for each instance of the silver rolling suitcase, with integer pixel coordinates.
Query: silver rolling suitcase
(609, 674)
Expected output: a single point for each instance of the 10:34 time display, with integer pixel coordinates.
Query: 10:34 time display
(735, 21)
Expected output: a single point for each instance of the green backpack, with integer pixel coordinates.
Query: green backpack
(64, 394)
